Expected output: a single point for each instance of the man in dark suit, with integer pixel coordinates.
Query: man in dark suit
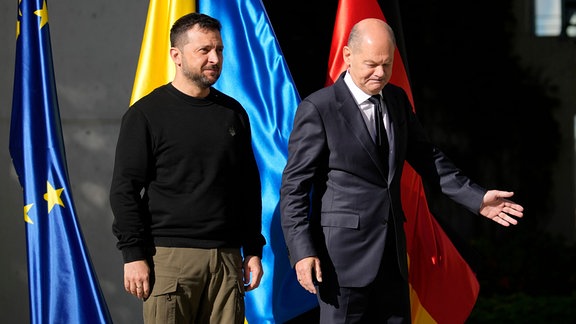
(341, 210)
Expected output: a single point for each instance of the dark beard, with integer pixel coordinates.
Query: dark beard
(200, 80)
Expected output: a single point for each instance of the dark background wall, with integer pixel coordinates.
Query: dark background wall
(498, 100)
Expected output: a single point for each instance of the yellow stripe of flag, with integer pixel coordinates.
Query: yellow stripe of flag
(155, 67)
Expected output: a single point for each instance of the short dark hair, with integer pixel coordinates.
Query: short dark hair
(187, 22)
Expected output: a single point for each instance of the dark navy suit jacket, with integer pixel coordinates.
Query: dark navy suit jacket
(336, 198)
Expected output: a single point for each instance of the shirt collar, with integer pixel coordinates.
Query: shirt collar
(358, 95)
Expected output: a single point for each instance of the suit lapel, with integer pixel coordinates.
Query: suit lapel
(352, 117)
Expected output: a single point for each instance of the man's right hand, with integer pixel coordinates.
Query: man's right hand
(137, 278)
(305, 270)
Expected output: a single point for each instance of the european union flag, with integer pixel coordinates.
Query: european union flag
(62, 285)
(256, 74)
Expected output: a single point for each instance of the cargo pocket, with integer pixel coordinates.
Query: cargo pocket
(162, 304)
(239, 309)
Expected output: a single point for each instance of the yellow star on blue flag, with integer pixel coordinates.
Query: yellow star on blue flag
(52, 196)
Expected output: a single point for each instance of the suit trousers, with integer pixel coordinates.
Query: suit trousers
(385, 300)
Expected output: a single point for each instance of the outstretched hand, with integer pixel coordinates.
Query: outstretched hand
(498, 208)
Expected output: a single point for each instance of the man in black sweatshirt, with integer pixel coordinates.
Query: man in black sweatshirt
(186, 190)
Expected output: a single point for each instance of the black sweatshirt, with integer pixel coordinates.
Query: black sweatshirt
(185, 176)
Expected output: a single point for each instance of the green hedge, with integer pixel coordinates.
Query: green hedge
(522, 308)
